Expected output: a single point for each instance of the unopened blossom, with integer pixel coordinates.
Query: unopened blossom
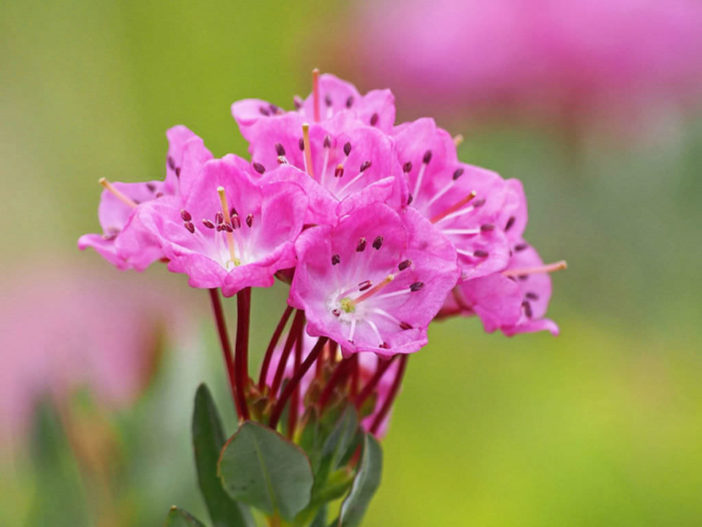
(473, 207)
(233, 229)
(555, 56)
(125, 242)
(368, 364)
(343, 164)
(514, 300)
(374, 281)
(330, 96)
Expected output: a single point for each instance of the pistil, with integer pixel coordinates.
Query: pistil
(454, 208)
(116, 193)
(373, 290)
(227, 233)
(307, 149)
(547, 268)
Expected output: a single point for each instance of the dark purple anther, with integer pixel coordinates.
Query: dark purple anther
(264, 111)
(405, 326)
(185, 215)
(190, 227)
(249, 220)
(374, 119)
(366, 284)
(327, 142)
(279, 149)
(427, 157)
(416, 286)
(301, 144)
(487, 227)
(510, 223)
(207, 223)
(347, 148)
(335, 259)
(171, 162)
(481, 254)
(458, 173)
(361, 245)
(339, 171)
(527, 309)
(404, 264)
(378, 242)
(258, 167)
(520, 247)
(349, 101)
(365, 166)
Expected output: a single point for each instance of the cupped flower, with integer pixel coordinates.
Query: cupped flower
(475, 208)
(125, 242)
(514, 300)
(233, 229)
(374, 281)
(344, 165)
(330, 96)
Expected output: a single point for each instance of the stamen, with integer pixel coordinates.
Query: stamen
(481, 254)
(404, 264)
(407, 167)
(249, 220)
(185, 215)
(227, 217)
(365, 166)
(453, 208)
(279, 149)
(487, 227)
(171, 163)
(219, 218)
(547, 268)
(416, 286)
(527, 309)
(389, 278)
(532, 296)
(258, 167)
(376, 331)
(188, 225)
(352, 330)
(405, 326)
(335, 259)
(339, 170)
(374, 119)
(510, 222)
(457, 173)
(457, 139)
(378, 242)
(116, 193)
(366, 284)
(347, 149)
(315, 93)
(521, 247)
(207, 223)
(425, 161)
(308, 151)
(361, 245)
(349, 101)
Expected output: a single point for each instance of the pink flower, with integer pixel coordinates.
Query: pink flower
(367, 362)
(374, 281)
(514, 300)
(64, 327)
(234, 229)
(330, 97)
(475, 208)
(125, 242)
(344, 164)
(577, 54)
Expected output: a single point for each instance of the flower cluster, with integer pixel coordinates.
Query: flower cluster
(378, 228)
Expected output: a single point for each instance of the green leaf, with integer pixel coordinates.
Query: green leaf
(208, 439)
(260, 467)
(364, 486)
(320, 520)
(181, 518)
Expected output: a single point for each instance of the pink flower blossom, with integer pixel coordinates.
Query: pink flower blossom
(64, 328)
(578, 54)
(374, 281)
(348, 164)
(125, 242)
(473, 207)
(514, 300)
(331, 96)
(234, 229)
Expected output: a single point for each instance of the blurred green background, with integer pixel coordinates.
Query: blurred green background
(600, 426)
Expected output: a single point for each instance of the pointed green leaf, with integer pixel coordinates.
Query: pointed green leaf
(260, 467)
(320, 520)
(181, 518)
(208, 439)
(364, 486)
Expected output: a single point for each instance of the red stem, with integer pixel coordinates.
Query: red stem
(391, 396)
(271, 347)
(241, 360)
(295, 333)
(383, 365)
(226, 345)
(294, 402)
(290, 387)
